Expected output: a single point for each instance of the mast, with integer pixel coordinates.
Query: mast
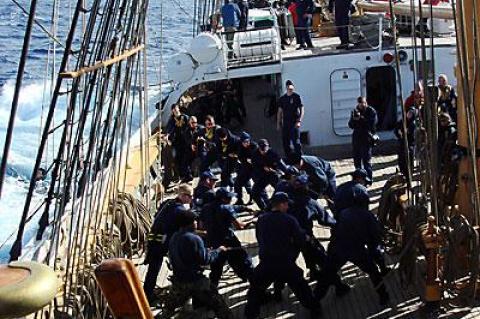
(468, 105)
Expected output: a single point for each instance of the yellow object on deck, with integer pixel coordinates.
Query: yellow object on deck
(25, 287)
(121, 286)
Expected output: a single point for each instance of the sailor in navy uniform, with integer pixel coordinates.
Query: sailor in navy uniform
(188, 256)
(363, 121)
(289, 119)
(356, 235)
(227, 156)
(191, 135)
(163, 227)
(321, 174)
(353, 193)
(204, 193)
(280, 239)
(207, 141)
(219, 219)
(266, 168)
(246, 149)
(175, 132)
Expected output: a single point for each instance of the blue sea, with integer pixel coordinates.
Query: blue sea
(177, 32)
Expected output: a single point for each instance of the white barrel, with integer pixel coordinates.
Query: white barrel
(205, 47)
(180, 67)
(256, 43)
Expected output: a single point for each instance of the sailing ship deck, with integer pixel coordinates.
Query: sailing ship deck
(361, 302)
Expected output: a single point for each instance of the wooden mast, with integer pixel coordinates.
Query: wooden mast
(468, 89)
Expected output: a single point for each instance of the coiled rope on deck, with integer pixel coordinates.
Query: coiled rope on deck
(133, 220)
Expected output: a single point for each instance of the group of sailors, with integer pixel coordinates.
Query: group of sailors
(197, 228)
(446, 104)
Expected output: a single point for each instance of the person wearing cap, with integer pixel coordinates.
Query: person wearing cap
(286, 182)
(226, 154)
(191, 135)
(246, 148)
(352, 193)
(163, 227)
(279, 240)
(207, 143)
(355, 239)
(188, 256)
(289, 119)
(321, 174)
(266, 167)
(176, 125)
(363, 122)
(219, 219)
(204, 193)
(306, 210)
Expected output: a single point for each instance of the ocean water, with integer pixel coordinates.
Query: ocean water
(34, 97)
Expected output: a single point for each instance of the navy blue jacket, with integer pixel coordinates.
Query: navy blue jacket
(280, 238)
(306, 210)
(175, 129)
(187, 256)
(217, 219)
(203, 195)
(356, 230)
(246, 153)
(191, 136)
(231, 15)
(363, 127)
(351, 194)
(320, 172)
(269, 159)
(210, 136)
(229, 146)
(165, 222)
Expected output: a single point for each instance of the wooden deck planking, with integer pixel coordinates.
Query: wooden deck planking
(361, 302)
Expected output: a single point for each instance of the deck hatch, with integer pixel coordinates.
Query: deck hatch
(345, 88)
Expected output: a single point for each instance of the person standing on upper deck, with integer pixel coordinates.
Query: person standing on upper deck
(231, 22)
(342, 20)
(289, 119)
(363, 122)
(304, 16)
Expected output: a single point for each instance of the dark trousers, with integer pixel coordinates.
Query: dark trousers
(336, 260)
(265, 274)
(180, 160)
(259, 193)
(237, 258)
(362, 156)
(154, 259)
(304, 31)
(291, 135)
(342, 9)
(244, 175)
(207, 158)
(402, 159)
(201, 291)
(227, 165)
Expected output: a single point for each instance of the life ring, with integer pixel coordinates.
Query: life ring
(25, 287)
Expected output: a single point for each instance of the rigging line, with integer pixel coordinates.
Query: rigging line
(44, 219)
(50, 35)
(400, 87)
(179, 5)
(16, 95)
(16, 248)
